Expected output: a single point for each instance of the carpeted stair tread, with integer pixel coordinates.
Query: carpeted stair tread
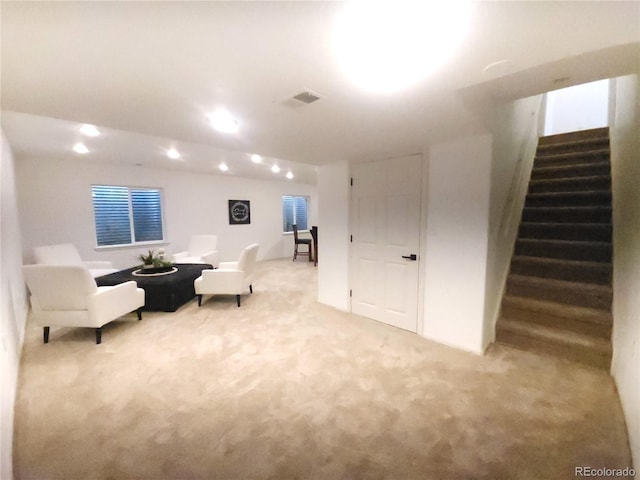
(569, 243)
(576, 136)
(561, 284)
(597, 152)
(588, 321)
(573, 312)
(584, 356)
(567, 214)
(558, 261)
(582, 198)
(574, 346)
(571, 171)
(574, 184)
(562, 291)
(602, 141)
(565, 249)
(577, 208)
(542, 181)
(561, 269)
(563, 337)
(600, 232)
(571, 158)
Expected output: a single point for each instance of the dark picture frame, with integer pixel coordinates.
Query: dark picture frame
(239, 212)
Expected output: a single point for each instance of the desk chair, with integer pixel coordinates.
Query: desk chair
(301, 241)
(314, 236)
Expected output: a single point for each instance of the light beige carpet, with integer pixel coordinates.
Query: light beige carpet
(285, 388)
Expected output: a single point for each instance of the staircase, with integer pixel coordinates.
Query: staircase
(558, 294)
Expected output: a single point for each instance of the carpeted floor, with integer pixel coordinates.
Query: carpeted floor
(285, 388)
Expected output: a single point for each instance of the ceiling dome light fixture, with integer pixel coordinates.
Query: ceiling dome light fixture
(80, 148)
(89, 130)
(385, 46)
(289, 175)
(173, 154)
(275, 168)
(255, 158)
(224, 167)
(223, 122)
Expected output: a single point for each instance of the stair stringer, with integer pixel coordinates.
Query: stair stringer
(503, 234)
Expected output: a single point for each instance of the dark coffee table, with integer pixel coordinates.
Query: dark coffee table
(165, 293)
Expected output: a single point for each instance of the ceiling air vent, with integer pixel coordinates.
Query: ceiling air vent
(300, 99)
(307, 96)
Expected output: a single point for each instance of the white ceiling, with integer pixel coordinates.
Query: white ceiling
(148, 72)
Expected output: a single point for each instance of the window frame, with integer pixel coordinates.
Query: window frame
(133, 243)
(294, 197)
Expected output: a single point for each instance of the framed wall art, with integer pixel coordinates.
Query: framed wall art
(239, 212)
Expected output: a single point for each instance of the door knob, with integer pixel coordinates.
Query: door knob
(413, 257)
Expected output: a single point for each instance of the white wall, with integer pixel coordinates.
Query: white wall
(515, 136)
(54, 198)
(333, 235)
(625, 165)
(577, 108)
(14, 306)
(457, 232)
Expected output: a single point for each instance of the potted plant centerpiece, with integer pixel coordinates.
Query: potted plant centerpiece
(153, 262)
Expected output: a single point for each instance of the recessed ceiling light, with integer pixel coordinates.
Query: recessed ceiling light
(89, 130)
(173, 154)
(275, 168)
(223, 166)
(80, 148)
(223, 122)
(289, 175)
(256, 158)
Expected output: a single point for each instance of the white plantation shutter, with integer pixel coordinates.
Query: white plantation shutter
(147, 215)
(287, 214)
(300, 211)
(111, 210)
(294, 211)
(125, 216)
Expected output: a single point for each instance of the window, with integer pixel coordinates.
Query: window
(294, 211)
(127, 215)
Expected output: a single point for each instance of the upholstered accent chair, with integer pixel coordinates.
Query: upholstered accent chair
(67, 296)
(202, 249)
(231, 278)
(67, 254)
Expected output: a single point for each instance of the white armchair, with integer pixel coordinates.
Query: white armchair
(67, 296)
(67, 254)
(232, 278)
(202, 249)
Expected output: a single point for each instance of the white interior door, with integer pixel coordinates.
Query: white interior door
(385, 240)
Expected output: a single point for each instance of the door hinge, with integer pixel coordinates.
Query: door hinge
(351, 238)
(351, 293)
(352, 181)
